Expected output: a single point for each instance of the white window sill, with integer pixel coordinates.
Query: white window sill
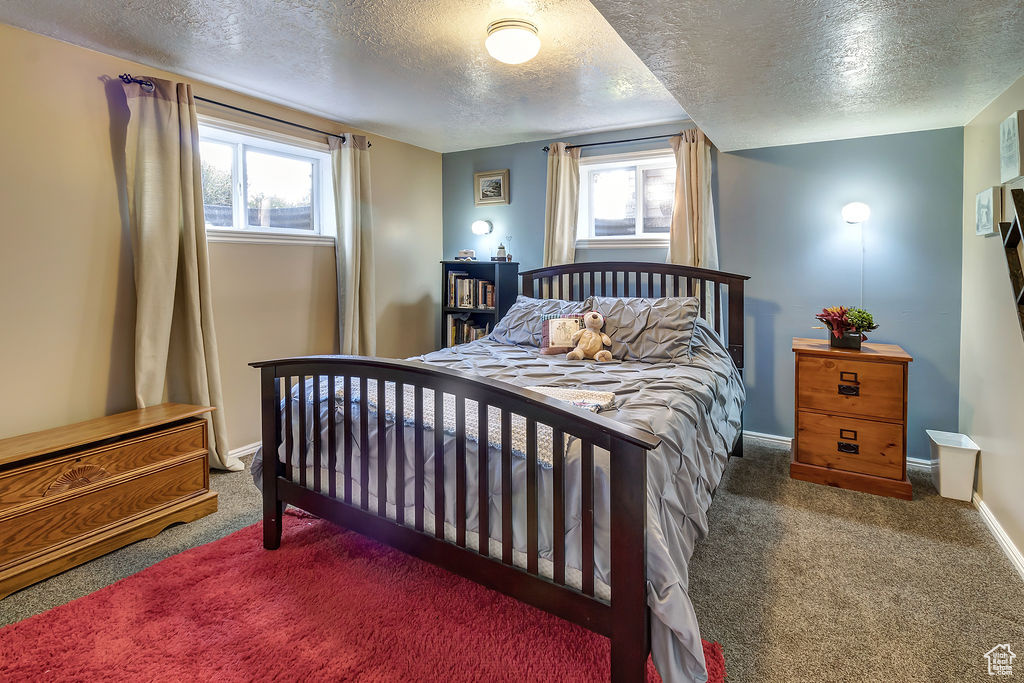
(261, 237)
(623, 243)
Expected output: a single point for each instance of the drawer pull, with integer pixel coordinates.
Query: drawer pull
(847, 376)
(849, 390)
(845, 447)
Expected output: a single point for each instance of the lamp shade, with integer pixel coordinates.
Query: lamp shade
(856, 212)
(482, 227)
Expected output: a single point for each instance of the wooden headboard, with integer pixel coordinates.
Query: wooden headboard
(720, 294)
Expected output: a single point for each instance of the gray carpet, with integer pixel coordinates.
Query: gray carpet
(798, 582)
(802, 582)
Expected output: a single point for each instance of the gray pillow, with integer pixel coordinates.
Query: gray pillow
(649, 329)
(524, 322)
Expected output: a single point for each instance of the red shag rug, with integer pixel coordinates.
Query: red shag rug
(329, 605)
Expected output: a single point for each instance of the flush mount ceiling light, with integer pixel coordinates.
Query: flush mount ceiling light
(856, 212)
(512, 41)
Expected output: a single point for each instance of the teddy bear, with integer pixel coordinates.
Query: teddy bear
(590, 341)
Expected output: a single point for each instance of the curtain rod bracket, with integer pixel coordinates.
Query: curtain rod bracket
(147, 86)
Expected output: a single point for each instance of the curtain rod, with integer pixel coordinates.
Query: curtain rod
(616, 142)
(148, 87)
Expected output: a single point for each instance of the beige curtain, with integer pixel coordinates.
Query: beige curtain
(350, 165)
(175, 344)
(562, 205)
(692, 240)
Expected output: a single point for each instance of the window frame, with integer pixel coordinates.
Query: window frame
(243, 138)
(639, 162)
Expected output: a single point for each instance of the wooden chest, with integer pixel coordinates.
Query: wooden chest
(851, 417)
(73, 493)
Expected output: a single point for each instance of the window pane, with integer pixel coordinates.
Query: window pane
(218, 161)
(659, 188)
(614, 197)
(279, 191)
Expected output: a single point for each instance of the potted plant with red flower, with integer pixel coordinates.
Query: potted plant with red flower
(848, 326)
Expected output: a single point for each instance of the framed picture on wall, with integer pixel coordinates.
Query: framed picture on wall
(490, 187)
(1011, 147)
(987, 207)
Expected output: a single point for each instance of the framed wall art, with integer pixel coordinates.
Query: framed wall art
(1011, 151)
(490, 187)
(987, 207)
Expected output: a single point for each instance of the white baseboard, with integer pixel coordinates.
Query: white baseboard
(245, 450)
(1015, 556)
(921, 464)
(775, 439)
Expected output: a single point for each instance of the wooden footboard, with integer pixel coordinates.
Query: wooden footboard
(623, 618)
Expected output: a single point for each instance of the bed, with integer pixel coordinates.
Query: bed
(511, 470)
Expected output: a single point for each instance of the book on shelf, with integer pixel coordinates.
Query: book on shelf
(466, 292)
(463, 329)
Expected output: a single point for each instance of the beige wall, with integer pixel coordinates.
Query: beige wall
(991, 346)
(66, 292)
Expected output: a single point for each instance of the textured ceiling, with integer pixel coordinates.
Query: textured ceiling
(758, 73)
(414, 70)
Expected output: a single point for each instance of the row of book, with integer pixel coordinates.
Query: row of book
(467, 292)
(461, 330)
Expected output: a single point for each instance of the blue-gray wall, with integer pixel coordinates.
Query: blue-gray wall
(778, 219)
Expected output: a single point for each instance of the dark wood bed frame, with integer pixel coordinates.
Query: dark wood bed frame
(625, 618)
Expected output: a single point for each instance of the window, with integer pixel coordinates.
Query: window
(626, 199)
(264, 189)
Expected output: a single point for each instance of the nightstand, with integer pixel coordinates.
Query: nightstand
(851, 417)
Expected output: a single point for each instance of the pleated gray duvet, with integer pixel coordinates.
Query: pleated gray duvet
(694, 406)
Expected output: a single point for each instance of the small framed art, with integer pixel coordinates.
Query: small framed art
(987, 207)
(1011, 147)
(490, 187)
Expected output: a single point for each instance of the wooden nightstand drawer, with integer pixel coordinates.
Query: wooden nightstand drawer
(850, 444)
(51, 477)
(840, 385)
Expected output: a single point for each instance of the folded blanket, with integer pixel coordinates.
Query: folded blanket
(592, 401)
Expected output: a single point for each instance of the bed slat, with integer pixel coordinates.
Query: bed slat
(460, 471)
(418, 474)
(317, 446)
(506, 487)
(439, 464)
(718, 308)
(382, 449)
(532, 550)
(587, 517)
(332, 436)
(289, 432)
(347, 433)
(400, 452)
(558, 505)
(364, 444)
(303, 438)
(483, 481)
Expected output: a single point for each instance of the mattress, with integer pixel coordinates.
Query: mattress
(694, 407)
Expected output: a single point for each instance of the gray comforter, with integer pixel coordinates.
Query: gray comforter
(694, 407)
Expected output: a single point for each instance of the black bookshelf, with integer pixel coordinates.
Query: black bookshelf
(505, 277)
